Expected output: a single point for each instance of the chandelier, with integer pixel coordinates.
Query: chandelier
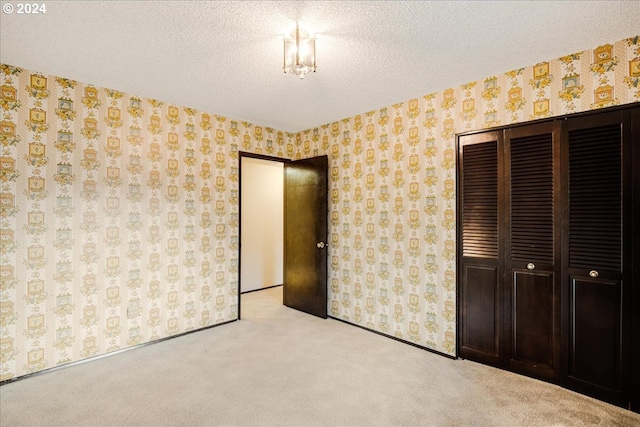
(299, 53)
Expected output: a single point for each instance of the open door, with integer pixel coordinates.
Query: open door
(305, 235)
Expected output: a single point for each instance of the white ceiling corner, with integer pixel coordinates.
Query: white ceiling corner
(225, 57)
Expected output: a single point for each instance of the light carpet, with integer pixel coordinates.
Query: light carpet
(281, 367)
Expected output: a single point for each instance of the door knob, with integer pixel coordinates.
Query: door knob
(531, 266)
(320, 245)
(593, 274)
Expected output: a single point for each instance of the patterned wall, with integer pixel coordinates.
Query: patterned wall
(119, 214)
(119, 219)
(392, 263)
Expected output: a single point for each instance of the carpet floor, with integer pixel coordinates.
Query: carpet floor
(281, 367)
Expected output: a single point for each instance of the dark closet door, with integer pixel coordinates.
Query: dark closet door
(532, 246)
(634, 384)
(480, 291)
(597, 257)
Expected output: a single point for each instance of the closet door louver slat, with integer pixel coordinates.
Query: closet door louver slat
(480, 201)
(595, 197)
(532, 199)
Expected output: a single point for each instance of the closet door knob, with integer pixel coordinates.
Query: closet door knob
(593, 274)
(531, 266)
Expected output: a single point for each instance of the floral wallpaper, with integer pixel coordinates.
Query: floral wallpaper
(119, 214)
(392, 256)
(119, 219)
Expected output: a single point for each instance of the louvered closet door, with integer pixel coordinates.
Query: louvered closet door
(480, 288)
(532, 293)
(634, 383)
(599, 227)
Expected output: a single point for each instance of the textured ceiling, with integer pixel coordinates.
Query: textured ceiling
(225, 57)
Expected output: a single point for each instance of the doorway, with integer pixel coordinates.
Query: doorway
(304, 233)
(261, 223)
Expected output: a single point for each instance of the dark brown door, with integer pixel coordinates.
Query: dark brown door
(598, 237)
(480, 290)
(532, 290)
(634, 383)
(305, 235)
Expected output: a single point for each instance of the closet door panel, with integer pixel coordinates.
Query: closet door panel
(595, 324)
(480, 289)
(532, 250)
(533, 321)
(598, 255)
(634, 383)
(480, 327)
